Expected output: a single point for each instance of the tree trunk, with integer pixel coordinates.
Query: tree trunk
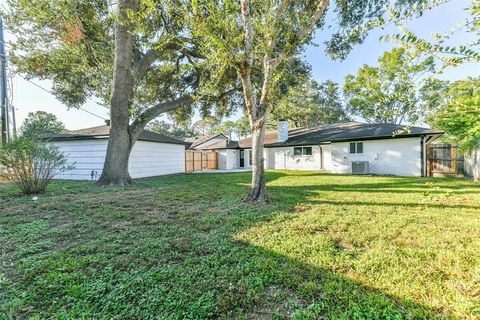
(257, 191)
(115, 168)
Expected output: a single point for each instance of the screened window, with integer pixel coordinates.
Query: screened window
(250, 157)
(356, 147)
(302, 151)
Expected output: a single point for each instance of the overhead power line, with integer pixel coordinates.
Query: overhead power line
(48, 91)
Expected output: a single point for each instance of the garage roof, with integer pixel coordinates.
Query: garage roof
(103, 132)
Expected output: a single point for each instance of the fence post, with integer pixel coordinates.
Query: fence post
(454, 159)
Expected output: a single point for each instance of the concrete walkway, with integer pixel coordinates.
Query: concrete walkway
(223, 171)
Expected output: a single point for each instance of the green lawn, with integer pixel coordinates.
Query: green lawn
(186, 247)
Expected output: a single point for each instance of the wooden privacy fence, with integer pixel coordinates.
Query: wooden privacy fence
(444, 160)
(200, 160)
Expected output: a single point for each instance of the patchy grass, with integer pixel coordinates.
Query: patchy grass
(186, 247)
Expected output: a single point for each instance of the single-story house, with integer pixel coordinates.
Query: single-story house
(152, 155)
(230, 156)
(347, 147)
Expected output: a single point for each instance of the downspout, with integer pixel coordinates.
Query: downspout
(422, 155)
(321, 157)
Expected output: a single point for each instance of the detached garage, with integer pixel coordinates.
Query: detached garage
(152, 155)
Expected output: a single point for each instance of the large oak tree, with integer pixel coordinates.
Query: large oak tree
(135, 56)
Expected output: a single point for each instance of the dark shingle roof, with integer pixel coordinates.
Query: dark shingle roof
(102, 132)
(344, 131)
(271, 137)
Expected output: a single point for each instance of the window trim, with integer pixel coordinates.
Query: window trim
(302, 151)
(355, 144)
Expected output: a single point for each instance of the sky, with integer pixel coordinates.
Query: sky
(27, 97)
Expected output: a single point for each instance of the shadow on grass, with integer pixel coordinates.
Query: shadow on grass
(168, 248)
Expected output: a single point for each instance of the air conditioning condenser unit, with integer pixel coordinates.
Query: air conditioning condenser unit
(360, 167)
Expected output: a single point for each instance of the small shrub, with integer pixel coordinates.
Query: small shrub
(31, 164)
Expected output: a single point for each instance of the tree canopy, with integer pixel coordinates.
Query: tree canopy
(444, 47)
(388, 93)
(137, 56)
(456, 110)
(39, 124)
(171, 129)
(310, 103)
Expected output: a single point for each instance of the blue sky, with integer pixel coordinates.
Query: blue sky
(28, 98)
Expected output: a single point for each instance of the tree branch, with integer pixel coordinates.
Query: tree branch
(245, 69)
(146, 116)
(142, 65)
(304, 32)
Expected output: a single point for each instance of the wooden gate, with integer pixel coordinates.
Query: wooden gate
(444, 160)
(200, 160)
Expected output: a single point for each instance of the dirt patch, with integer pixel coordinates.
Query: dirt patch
(275, 302)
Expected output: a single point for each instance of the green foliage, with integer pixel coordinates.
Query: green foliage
(388, 93)
(242, 126)
(219, 26)
(206, 126)
(229, 129)
(31, 164)
(182, 247)
(441, 47)
(39, 124)
(172, 129)
(71, 43)
(456, 110)
(310, 103)
(67, 42)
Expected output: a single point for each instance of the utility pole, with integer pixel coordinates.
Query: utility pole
(4, 135)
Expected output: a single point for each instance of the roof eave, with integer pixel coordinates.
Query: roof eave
(96, 137)
(306, 143)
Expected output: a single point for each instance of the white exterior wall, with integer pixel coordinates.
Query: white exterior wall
(472, 164)
(399, 157)
(86, 156)
(149, 159)
(146, 159)
(222, 159)
(327, 157)
(283, 159)
(266, 156)
(269, 158)
(232, 159)
(228, 159)
(246, 162)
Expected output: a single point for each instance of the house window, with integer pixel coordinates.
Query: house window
(356, 147)
(302, 151)
(250, 157)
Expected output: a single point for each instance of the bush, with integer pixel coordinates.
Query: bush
(31, 164)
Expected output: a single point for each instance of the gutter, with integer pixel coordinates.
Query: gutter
(352, 139)
(105, 137)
